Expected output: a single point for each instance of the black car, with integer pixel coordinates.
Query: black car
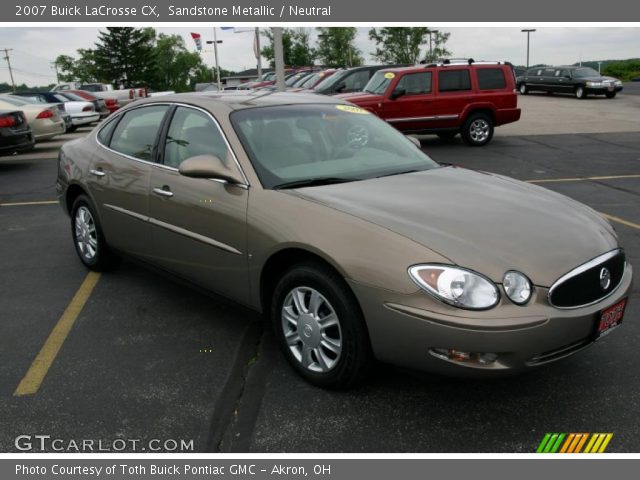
(350, 80)
(15, 133)
(578, 81)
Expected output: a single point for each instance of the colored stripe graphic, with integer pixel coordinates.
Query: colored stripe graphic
(574, 442)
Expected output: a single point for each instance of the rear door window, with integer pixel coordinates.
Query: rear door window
(137, 131)
(491, 79)
(454, 80)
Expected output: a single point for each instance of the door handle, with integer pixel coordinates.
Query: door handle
(163, 192)
(97, 173)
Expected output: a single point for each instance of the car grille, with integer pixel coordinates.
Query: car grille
(585, 284)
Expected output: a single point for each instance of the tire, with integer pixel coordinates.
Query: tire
(320, 328)
(523, 89)
(580, 93)
(477, 130)
(447, 135)
(88, 239)
(610, 94)
(72, 129)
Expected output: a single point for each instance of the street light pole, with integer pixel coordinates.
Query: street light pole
(430, 43)
(528, 31)
(258, 54)
(278, 53)
(215, 50)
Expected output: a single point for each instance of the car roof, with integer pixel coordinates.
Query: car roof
(241, 99)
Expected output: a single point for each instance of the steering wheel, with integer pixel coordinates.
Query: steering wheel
(357, 137)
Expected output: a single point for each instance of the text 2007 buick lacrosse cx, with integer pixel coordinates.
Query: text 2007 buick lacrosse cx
(353, 242)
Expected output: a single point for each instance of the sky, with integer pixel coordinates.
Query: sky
(34, 48)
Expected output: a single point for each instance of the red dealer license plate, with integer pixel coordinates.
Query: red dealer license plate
(610, 318)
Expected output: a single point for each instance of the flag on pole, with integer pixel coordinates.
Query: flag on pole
(197, 40)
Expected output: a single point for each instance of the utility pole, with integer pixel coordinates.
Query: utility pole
(55, 66)
(279, 58)
(6, 57)
(528, 32)
(258, 54)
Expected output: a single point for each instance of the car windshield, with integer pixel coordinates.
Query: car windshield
(72, 96)
(18, 102)
(328, 82)
(323, 143)
(311, 80)
(379, 83)
(585, 72)
(294, 78)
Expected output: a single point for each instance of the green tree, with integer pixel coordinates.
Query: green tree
(438, 48)
(336, 47)
(398, 44)
(296, 49)
(177, 68)
(125, 55)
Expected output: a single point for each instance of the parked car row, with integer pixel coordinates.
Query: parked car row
(45, 115)
(447, 98)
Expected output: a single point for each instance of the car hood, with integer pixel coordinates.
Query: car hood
(481, 221)
(358, 96)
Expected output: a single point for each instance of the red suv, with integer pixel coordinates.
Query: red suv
(469, 98)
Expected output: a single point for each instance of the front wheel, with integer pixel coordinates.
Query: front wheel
(88, 238)
(477, 130)
(610, 94)
(580, 93)
(320, 328)
(523, 89)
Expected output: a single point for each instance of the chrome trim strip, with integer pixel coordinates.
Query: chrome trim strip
(581, 269)
(246, 185)
(139, 216)
(175, 229)
(195, 236)
(417, 119)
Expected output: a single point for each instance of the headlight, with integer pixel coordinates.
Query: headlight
(618, 83)
(456, 286)
(517, 287)
(594, 84)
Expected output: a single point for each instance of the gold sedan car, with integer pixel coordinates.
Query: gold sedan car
(346, 236)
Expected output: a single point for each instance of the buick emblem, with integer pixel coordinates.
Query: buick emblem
(605, 278)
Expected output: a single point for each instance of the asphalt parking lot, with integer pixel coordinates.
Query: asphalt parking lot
(149, 358)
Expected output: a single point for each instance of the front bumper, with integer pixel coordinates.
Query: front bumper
(603, 90)
(409, 330)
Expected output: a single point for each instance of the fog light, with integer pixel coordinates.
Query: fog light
(458, 356)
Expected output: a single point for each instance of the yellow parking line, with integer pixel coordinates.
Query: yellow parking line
(40, 366)
(22, 204)
(620, 220)
(582, 179)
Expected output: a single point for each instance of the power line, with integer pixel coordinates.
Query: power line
(6, 57)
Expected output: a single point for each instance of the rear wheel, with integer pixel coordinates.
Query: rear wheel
(320, 328)
(580, 92)
(477, 130)
(88, 239)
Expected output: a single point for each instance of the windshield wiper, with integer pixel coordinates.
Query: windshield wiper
(313, 182)
(398, 173)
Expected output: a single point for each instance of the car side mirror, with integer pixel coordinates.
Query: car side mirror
(340, 87)
(209, 166)
(414, 140)
(568, 76)
(397, 93)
